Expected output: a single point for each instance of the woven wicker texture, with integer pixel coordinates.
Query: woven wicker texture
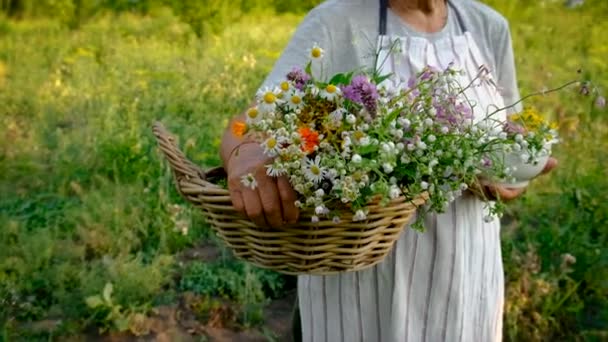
(304, 248)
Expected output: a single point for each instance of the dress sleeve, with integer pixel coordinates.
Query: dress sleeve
(310, 31)
(505, 67)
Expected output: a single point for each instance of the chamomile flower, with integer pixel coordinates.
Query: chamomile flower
(268, 100)
(253, 115)
(314, 172)
(249, 181)
(276, 170)
(285, 86)
(330, 92)
(316, 53)
(271, 146)
(295, 100)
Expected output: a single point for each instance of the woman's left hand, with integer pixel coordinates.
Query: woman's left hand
(508, 194)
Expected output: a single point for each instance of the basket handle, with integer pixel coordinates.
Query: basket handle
(181, 166)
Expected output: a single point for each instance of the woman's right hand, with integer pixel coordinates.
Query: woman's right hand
(272, 202)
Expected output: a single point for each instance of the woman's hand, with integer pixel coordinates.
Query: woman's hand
(508, 194)
(272, 202)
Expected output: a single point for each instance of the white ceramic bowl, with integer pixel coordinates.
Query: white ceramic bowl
(524, 171)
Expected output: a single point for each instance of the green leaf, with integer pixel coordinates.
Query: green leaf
(380, 79)
(341, 78)
(94, 301)
(308, 68)
(121, 323)
(367, 149)
(337, 79)
(107, 293)
(392, 116)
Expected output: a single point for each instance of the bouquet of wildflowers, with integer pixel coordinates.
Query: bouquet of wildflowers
(353, 139)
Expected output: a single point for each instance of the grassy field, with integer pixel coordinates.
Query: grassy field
(94, 237)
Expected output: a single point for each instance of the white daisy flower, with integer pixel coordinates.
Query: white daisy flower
(316, 53)
(285, 86)
(295, 100)
(331, 92)
(356, 158)
(271, 146)
(253, 115)
(249, 181)
(275, 170)
(314, 172)
(268, 99)
(424, 185)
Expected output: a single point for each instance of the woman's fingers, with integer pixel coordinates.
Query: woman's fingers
(237, 200)
(270, 200)
(253, 207)
(506, 194)
(288, 199)
(551, 164)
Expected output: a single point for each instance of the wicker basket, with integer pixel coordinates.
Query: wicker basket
(305, 248)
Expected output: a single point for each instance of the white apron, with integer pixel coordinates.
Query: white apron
(445, 284)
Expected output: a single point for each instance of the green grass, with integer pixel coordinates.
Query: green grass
(86, 199)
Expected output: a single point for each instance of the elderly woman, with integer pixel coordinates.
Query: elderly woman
(445, 284)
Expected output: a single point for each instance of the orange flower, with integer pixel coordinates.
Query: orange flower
(239, 128)
(310, 139)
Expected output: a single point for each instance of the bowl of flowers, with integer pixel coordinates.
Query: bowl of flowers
(531, 138)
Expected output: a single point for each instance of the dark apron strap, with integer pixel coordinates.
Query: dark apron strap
(384, 10)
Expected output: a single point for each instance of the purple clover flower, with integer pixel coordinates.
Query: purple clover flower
(298, 77)
(452, 113)
(513, 128)
(362, 91)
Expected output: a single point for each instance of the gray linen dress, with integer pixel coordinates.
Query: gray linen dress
(445, 284)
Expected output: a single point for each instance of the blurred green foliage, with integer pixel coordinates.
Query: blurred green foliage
(204, 16)
(86, 200)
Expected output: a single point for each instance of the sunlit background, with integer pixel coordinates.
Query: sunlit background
(95, 241)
